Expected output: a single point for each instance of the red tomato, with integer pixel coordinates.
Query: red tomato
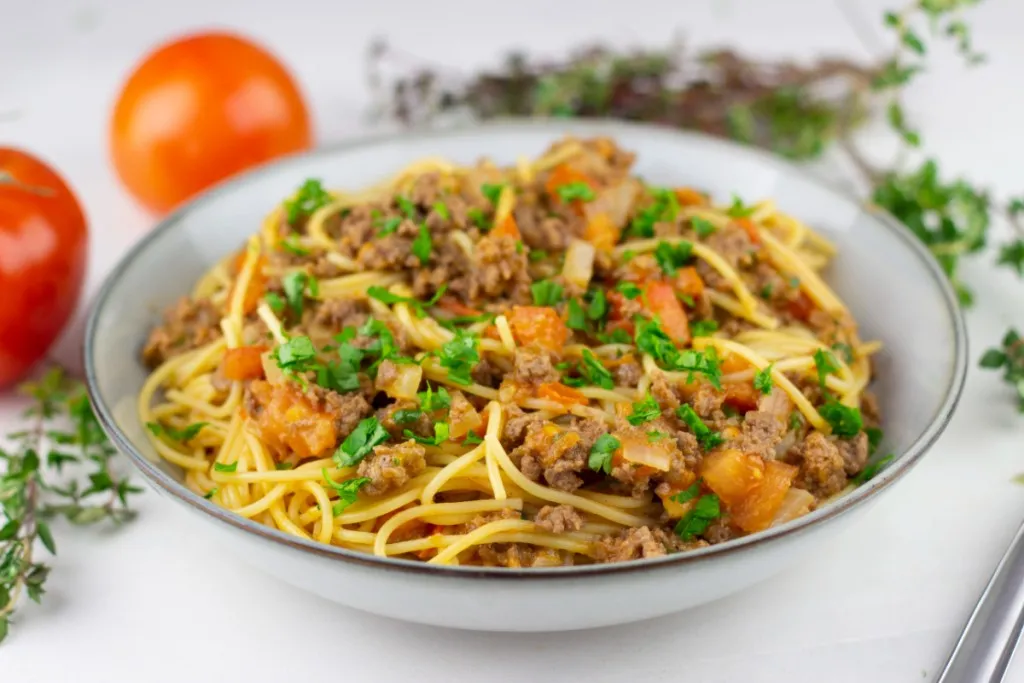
(43, 242)
(200, 109)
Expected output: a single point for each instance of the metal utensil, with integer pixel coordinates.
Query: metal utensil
(983, 652)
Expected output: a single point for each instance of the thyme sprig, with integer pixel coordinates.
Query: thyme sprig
(35, 487)
(798, 111)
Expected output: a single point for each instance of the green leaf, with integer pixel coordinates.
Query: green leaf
(296, 284)
(441, 209)
(546, 293)
(992, 359)
(1012, 255)
(492, 191)
(406, 206)
(687, 495)
(422, 245)
(845, 421)
(389, 226)
(225, 467)
(763, 379)
(43, 532)
(738, 209)
(310, 197)
(576, 191)
(703, 328)
(826, 364)
(594, 372)
(9, 530)
(644, 411)
(88, 515)
(707, 437)
(348, 491)
(368, 434)
(440, 435)
(628, 290)
(670, 257)
(912, 41)
(291, 245)
(5, 626)
(459, 356)
(871, 470)
(699, 518)
(429, 400)
(702, 227)
(601, 453)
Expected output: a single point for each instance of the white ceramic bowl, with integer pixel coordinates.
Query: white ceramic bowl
(890, 282)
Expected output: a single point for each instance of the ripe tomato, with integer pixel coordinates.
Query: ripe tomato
(43, 242)
(200, 109)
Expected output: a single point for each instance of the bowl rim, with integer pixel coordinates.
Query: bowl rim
(166, 484)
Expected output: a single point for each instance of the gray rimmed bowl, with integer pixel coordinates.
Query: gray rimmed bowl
(892, 285)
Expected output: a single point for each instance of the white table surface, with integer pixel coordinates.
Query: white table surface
(148, 603)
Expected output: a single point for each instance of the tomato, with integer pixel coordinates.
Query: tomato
(43, 243)
(507, 228)
(662, 302)
(200, 109)
(559, 393)
(244, 362)
(538, 325)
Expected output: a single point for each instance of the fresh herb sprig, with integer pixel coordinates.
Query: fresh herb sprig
(63, 439)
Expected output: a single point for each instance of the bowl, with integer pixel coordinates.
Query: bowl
(891, 283)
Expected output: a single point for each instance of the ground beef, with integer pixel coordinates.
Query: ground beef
(663, 392)
(627, 374)
(355, 227)
(391, 467)
(512, 555)
(336, 314)
(707, 401)
(448, 265)
(392, 252)
(766, 283)
(517, 425)
(559, 457)
(720, 531)
(854, 453)
(636, 480)
(635, 543)
(499, 271)
(760, 434)
(347, 409)
(541, 231)
(558, 519)
(533, 366)
(188, 324)
(822, 469)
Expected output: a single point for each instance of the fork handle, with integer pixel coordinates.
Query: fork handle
(986, 644)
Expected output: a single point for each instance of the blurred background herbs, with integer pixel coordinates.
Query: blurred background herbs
(58, 467)
(796, 111)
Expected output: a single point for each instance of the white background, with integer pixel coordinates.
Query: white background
(147, 603)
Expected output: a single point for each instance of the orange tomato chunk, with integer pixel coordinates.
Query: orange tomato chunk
(538, 325)
(243, 363)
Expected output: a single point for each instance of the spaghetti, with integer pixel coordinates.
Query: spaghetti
(540, 365)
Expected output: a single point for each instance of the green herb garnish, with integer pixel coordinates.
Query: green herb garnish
(601, 453)
(364, 438)
(644, 411)
(546, 293)
(705, 435)
(763, 379)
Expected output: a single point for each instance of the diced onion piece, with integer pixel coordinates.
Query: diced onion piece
(579, 262)
(638, 450)
(796, 503)
(464, 420)
(405, 382)
(271, 370)
(615, 202)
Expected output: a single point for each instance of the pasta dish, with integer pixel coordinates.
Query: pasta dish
(546, 364)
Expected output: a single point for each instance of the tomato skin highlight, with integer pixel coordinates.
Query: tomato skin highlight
(43, 248)
(200, 109)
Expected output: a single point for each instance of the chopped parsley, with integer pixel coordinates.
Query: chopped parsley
(844, 350)
(223, 467)
(577, 319)
(738, 210)
(348, 491)
(663, 208)
(763, 379)
(406, 206)
(310, 197)
(292, 246)
(576, 191)
(477, 217)
(492, 191)
(871, 469)
(368, 434)
(686, 495)
(826, 364)
(845, 421)
(459, 356)
(546, 293)
(702, 227)
(703, 328)
(671, 257)
(295, 355)
(275, 302)
(705, 435)
(766, 291)
(211, 493)
(601, 453)
(389, 226)
(429, 400)
(597, 309)
(422, 245)
(440, 435)
(594, 372)
(628, 289)
(616, 336)
(644, 411)
(441, 209)
(796, 420)
(183, 435)
(472, 439)
(282, 466)
(405, 417)
(418, 307)
(537, 255)
(695, 522)
(874, 438)
(652, 339)
(382, 344)
(296, 285)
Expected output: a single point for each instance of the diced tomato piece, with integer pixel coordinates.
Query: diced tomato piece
(741, 395)
(732, 474)
(800, 307)
(556, 391)
(687, 196)
(689, 282)
(662, 302)
(757, 510)
(290, 422)
(751, 229)
(733, 363)
(507, 228)
(456, 307)
(601, 232)
(538, 325)
(243, 363)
